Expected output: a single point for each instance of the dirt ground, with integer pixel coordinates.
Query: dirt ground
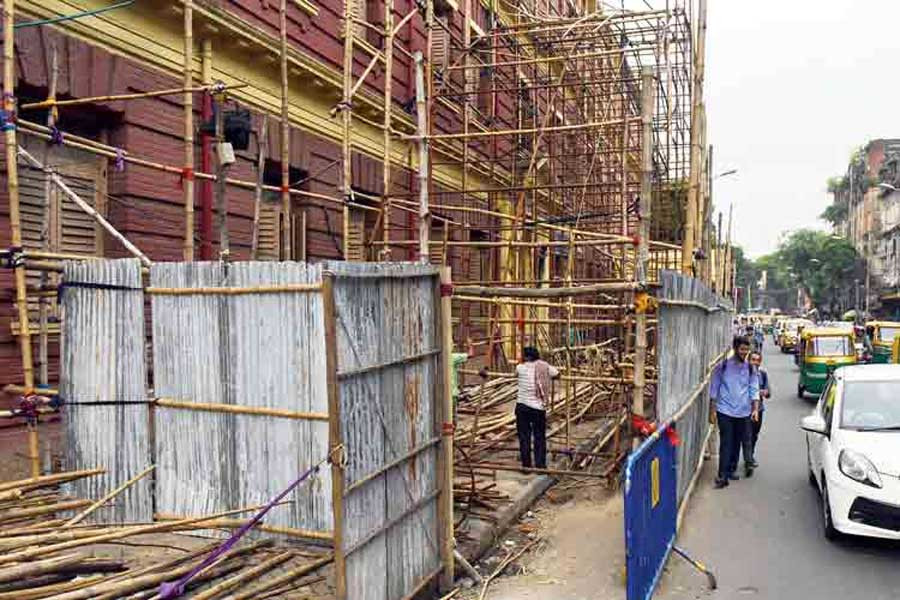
(14, 462)
(578, 555)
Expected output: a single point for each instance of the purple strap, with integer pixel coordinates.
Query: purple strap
(173, 589)
(120, 160)
(56, 136)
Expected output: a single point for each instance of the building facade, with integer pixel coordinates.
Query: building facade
(532, 163)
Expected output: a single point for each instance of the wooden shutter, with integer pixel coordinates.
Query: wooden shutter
(269, 242)
(359, 9)
(440, 48)
(355, 235)
(67, 228)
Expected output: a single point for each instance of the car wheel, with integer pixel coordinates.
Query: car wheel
(828, 524)
(801, 391)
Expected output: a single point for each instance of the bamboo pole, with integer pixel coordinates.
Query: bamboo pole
(648, 105)
(206, 211)
(39, 567)
(86, 512)
(346, 143)
(240, 578)
(687, 249)
(221, 170)
(46, 238)
(187, 181)
(388, 115)
(120, 97)
(82, 205)
(235, 291)
(335, 436)
(241, 410)
(39, 481)
(293, 532)
(116, 534)
(262, 142)
(520, 131)
(558, 292)
(287, 577)
(445, 463)
(422, 128)
(15, 218)
(287, 252)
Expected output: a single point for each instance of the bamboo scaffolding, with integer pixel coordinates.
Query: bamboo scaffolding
(15, 220)
(188, 88)
(287, 252)
(188, 180)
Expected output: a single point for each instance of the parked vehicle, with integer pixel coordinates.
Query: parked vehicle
(853, 451)
(819, 353)
(883, 336)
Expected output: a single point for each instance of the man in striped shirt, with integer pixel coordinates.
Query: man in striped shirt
(532, 396)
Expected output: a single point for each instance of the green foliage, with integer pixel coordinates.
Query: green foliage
(835, 213)
(820, 263)
(837, 184)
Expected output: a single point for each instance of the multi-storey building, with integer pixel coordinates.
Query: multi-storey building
(506, 143)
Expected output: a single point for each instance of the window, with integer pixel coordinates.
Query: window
(269, 245)
(868, 404)
(829, 346)
(360, 228)
(887, 334)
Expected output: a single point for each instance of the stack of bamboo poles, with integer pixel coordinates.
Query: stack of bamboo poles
(46, 553)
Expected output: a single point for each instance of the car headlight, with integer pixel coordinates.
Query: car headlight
(859, 468)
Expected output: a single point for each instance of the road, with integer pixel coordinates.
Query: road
(763, 536)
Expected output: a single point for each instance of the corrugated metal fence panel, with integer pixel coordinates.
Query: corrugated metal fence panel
(254, 350)
(103, 362)
(278, 361)
(689, 339)
(195, 474)
(386, 324)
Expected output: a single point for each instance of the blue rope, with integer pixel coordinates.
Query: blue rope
(60, 19)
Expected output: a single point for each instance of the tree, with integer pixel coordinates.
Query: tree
(823, 265)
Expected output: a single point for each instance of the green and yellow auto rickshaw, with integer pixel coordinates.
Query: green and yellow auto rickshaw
(819, 352)
(883, 334)
(789, 340)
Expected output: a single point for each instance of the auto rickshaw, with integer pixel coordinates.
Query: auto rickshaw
(819, 353)
(883, 334)
(790, 334)
(895, 351)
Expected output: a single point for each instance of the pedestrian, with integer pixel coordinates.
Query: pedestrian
(758, 338)
(532, 397)
(765, 392)
(734, 396)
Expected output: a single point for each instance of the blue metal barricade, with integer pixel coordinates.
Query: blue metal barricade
(651, 512)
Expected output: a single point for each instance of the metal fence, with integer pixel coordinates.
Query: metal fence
(103, 380)
(261, 370)
(651, 509)
(693, 333)
(243, 375)
(388, 333)
(694, 329)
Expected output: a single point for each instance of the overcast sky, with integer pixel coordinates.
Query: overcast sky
(792, 87)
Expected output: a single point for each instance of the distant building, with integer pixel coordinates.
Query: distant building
(866, 211)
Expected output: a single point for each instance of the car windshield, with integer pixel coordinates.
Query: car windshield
(870, 404)
(886, 334)
(830, 346)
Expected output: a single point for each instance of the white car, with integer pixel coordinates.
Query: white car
(853, 451)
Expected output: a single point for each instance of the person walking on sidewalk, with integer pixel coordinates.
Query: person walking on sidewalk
(532, 398)
(765, 392)
(734, 395)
